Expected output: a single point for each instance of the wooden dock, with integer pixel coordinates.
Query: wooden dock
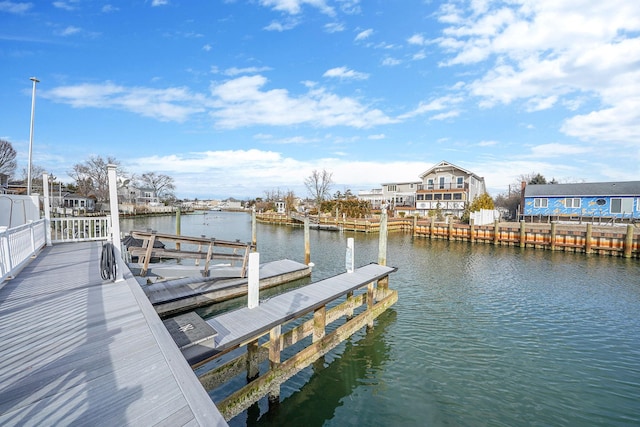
(366, 295)
(170, 297)
(80, 351)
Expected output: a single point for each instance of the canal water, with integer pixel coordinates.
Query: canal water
(480, 335)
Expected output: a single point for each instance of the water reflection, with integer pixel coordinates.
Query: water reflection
(328, 383)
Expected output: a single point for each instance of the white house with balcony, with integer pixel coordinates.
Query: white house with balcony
(447, 188)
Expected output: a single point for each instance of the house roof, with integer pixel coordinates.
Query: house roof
(446, 165)
(626, 188)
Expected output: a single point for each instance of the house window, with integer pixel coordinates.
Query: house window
(572, 202)
(437, 196)
(428, 196)
(447, 196)
(441, 185)
(457, 196)
(391, 187)
(430, 184)
(621, 206)
(540, 203)
(420, 196)
(460, 182)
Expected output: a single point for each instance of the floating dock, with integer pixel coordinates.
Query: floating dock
(173, 296)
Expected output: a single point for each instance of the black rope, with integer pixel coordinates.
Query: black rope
(108, 264)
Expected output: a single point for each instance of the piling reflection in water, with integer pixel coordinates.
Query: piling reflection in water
(311, 398)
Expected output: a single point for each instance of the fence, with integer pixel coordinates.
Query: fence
(80, 229)
(556, 237)
(18, 245)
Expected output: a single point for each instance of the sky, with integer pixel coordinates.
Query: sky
(241, 97)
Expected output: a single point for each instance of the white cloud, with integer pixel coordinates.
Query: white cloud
(242, 102)
(70, 30)
(362, 35)
(234, 71)
(63, 5)
(345, 73)
(172, 104)
(108, 8)
(265, 170)
(417, 39)
(558, 150)
(539, 104)
(391, 62)
(553, 52)
(14, 7)
(334, 27)
(288, 24)
(438, 104)
(159, 3)
(294, 7)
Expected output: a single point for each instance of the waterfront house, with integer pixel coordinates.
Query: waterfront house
(446, 187)
(608, 201)
(401, 196)
(73, 203)
(373, 196)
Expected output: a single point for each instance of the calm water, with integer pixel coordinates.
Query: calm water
(480, 336)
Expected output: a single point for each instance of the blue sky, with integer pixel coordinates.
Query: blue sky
(235, 98)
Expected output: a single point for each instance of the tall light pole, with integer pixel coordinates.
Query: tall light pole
(33, 111)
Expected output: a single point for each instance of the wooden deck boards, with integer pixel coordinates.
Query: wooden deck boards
(75, 350)
(236, 327)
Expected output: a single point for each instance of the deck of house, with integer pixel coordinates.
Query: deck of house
(77, 350)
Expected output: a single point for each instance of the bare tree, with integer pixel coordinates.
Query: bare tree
(319, 184)
(161, 184)
(7, 158)
(91, 177)
(36, 177)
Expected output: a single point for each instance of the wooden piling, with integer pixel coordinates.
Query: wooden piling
(319, 323)
(628, 241)
(552, 243)
(382, 241)
(587, 239)
(414, 230)
(307, 244)
(496, 232)
(275, 346)
(253, 360)
(523, 235)
(254, 230)
(432, 225)
(472, 230)
(450, 230)
(178, 226)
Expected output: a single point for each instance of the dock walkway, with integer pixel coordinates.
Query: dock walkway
(77, 350)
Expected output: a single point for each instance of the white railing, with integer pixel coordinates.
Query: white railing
(18, 245)
(80, 229)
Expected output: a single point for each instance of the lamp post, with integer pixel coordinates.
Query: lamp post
(33, 111)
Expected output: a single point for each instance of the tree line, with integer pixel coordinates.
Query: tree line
(90, 176)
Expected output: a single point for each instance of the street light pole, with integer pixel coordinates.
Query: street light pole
(33, 111)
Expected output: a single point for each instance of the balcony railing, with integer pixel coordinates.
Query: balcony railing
(442, 187)
(80, 229)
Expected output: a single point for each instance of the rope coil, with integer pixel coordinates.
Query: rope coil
(108, 264)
